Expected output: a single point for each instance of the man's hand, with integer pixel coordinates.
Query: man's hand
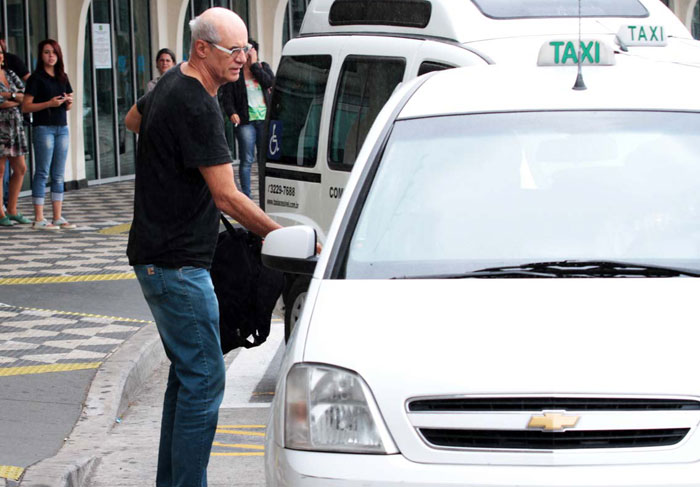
(235, 119)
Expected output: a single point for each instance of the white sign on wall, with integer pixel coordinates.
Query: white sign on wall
(102, 46)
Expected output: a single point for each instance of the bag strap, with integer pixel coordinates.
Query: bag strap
(227, 224)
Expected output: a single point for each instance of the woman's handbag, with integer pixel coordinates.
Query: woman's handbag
(247, 290)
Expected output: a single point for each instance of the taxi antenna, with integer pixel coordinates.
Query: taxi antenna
(579, 85)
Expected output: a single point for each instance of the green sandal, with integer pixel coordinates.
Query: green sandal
(6, 222)
(20, 218)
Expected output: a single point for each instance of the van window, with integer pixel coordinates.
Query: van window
(508, 9)
(295, 115)
(401, 13)
(430, 66)
(366, 83)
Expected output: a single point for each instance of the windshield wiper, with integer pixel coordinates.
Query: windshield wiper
(569, 268)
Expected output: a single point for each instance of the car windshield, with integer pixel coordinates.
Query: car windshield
(524, 9)
(456, 194)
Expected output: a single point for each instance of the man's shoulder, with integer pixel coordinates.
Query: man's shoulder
(176, 87)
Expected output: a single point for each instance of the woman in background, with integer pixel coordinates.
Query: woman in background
(13, 140)
(49, 96)
(165, 59)
(245, 102)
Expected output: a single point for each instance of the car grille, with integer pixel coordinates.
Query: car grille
(539, 440)
(550, 403)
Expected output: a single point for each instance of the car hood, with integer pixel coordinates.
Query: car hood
(411, 338)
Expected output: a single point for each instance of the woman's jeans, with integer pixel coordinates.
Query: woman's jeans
(186, 312)
(249, 136)
(50, 152)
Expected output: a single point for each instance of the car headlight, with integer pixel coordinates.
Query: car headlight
(333, 410)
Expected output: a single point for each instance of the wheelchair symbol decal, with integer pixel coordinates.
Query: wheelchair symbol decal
(274, 150)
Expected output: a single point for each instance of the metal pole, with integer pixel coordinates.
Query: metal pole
(95, 123)
(4, 20)
(27, 42)
(115, 99)
(134, 67)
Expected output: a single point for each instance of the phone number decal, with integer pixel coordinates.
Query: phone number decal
(281, 189)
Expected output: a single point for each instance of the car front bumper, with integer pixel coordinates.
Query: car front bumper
(289, 468)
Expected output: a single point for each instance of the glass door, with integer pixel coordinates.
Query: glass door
(116, 70)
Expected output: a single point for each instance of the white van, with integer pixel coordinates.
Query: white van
(351, 55)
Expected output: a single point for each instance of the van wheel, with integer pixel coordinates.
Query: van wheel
(294, 304)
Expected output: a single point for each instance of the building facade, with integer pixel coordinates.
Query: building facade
(109, 48)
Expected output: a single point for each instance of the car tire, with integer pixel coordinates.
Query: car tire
(294, 303)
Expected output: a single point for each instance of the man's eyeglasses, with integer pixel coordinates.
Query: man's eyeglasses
(233, 51)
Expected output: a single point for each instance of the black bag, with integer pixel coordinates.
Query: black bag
(247, 290)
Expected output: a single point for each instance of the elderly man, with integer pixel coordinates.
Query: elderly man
(183, 178)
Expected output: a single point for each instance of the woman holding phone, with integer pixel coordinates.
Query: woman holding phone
(49, 96)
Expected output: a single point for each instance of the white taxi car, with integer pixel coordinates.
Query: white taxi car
(506, 296)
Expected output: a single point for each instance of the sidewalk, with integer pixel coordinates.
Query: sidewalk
(76, 337)
(69, 300)
(128, 454)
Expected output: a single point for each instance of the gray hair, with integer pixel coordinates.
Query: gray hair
(203, 29)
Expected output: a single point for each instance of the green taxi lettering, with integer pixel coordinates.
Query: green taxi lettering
(565, 52)
(649, 33)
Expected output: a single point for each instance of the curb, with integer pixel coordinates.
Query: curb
(116, 383)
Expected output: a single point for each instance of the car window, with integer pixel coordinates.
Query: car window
(366, 83)
(460, 193)
(509, 9)
(400, 13)
(295, 115)
(430, 66)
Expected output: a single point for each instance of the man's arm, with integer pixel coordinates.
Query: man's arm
(228, 199)
(132, 121)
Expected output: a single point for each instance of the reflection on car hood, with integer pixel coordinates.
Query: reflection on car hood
(518, 336)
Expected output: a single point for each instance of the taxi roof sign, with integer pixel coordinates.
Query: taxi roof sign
(566, 52)
(642, 35)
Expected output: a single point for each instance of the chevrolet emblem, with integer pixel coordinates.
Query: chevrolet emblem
(553, 422)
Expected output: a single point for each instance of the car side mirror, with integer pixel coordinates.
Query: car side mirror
(291, 250)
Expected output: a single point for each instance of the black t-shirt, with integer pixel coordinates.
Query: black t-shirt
(175, 220)
(15, 64)
(42, 86)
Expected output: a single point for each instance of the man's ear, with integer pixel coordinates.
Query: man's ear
(200, 48)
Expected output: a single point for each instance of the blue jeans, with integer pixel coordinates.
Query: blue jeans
(248, 136)
(186, 312)
(50, 152)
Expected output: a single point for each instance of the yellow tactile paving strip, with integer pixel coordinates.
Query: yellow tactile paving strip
(116, 230)
(84, 315)
(8, 281)
(43, 369)
(10, 472)
(249, 431)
